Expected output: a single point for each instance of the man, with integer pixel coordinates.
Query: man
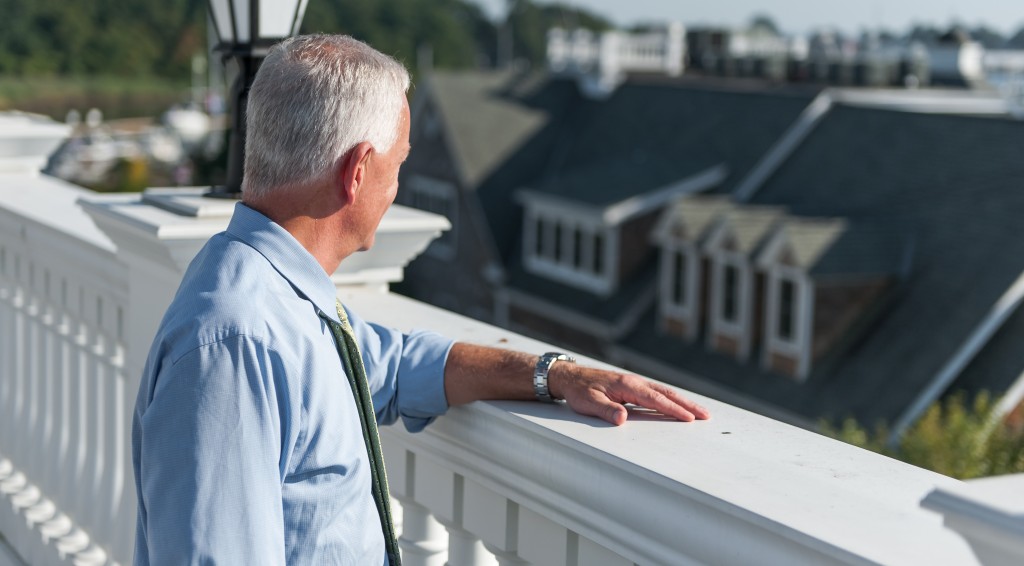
(247, 440)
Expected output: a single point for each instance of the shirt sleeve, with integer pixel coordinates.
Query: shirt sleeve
(405, 372)
(210, 457)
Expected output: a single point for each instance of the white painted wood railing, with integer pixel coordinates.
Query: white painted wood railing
(63, 397)
(491, 483)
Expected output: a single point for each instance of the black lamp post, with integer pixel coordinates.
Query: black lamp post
(246, 30)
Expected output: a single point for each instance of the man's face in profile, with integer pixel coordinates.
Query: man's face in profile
(381, 187)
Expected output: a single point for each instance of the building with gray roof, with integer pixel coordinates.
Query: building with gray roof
(840, 259)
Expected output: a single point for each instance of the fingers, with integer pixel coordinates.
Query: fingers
(691, 406)
(601, 394)
(597, 404)
(650, 398)
(659, 398)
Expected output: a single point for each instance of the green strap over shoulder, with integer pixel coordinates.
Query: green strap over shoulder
(352, 361)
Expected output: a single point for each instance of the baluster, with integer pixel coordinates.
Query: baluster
(49, 364)
(45, 509)
(77, 540)
(17, 485)
(543, 541)
(122, 405)
(592, 554)
(6, 375)
(99, 412)
(32, 425)
(30, 461)
(464, 549)
(423, 538)
(8, 403)
(441, 491)
(422, 541)
(495, 519)
(115, 439)
(63, 494)
(505, 558)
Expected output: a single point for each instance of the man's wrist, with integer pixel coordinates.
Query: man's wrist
(542, 382)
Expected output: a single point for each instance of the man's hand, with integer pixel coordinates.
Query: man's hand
(474, 373)
(601, 393)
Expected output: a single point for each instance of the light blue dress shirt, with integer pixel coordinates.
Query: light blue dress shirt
(246, 440)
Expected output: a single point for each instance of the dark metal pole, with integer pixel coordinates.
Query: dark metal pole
(248, 64)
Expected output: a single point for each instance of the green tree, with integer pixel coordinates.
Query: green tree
(766, 24)
(456, 30)
(1016, 41)
(988, 37)
(531, 22)
(954, 437)
(117, 37)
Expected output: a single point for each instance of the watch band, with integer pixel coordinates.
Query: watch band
(540, 374)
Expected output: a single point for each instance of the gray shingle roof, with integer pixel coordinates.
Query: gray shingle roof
(650, 133)
(827, 247)
(607, 183)
(516, 131)
(490, 125)
(954, 187)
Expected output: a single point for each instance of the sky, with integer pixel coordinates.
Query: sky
(801, 16)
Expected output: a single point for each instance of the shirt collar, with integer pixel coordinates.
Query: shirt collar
(287, 255)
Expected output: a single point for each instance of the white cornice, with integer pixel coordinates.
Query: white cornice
(637, 205)
(616, 213)
(988, 513)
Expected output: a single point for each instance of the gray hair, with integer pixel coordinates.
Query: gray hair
(314, 98)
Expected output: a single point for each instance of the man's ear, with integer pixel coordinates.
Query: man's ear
(352, 171)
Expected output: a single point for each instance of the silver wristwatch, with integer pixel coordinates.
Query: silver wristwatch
(540, 374)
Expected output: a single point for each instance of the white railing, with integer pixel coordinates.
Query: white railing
(501, 482)
(538, 484)
(63, 398)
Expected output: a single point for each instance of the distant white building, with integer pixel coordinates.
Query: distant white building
(957, 60)
(601, 61)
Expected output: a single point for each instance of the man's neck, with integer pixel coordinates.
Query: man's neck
(320, 236)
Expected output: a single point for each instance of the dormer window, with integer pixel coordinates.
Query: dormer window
(736, 290)
(730, 293)
(589, 229)
(571, 250)
(678, 279)
(683, 275)
(786, 318)
(731, 302)
(798, 250)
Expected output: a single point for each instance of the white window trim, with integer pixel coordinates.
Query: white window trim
(740, 328)
(563, 270)
(799, 347)
(444, 247)
(689, 309)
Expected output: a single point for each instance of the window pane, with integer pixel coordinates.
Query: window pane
(730, 293)
(678, 278)
(539, 238)
(787, 293)
(558, 242)
(577, 248)
(598, 254)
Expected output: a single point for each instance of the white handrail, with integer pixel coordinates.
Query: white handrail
(511, 483)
